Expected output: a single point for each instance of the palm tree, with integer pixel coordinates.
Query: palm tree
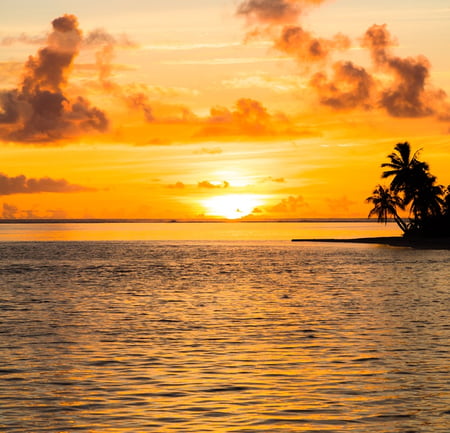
(413, 179)
(407, 170)
(386, 202)
(428, 201)
(447, 201)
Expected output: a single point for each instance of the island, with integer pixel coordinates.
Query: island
(392, 241)
(414, 200)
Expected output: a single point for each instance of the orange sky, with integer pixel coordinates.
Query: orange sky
(238, 109)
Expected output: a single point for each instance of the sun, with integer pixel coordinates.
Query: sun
(231, 206)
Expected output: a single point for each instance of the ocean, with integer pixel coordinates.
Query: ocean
(223, 327)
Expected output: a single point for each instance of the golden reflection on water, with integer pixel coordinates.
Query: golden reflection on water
(191, 231)
(223, 337)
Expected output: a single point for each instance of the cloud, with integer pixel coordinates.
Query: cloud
(39, 110)
(247, 118)
(289, 206)
(408, 94)
(302, 44)
(404, 90)
(177, 185)
(23, 38)
(136, 97)
(377, 39)
(22, 185)
(12, 212)
(350, 87)
(269, 11)
(213, 185)
(105, 43)
(9, 211)
(99, 37)
(274, 12)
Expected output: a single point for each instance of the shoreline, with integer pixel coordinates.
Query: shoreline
(391, 241)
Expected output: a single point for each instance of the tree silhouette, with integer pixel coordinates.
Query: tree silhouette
(407, 171)
(385, 203)
(413, 187)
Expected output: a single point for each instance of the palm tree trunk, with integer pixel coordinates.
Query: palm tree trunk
(400, 222)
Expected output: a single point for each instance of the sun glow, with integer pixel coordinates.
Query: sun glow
(232, 206)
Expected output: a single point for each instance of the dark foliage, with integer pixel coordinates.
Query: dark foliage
(413, 188)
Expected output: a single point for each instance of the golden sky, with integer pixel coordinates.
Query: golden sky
(216, 108)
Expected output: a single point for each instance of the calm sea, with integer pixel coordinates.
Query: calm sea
(221, 328)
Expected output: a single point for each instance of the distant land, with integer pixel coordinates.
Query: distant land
(392, 241)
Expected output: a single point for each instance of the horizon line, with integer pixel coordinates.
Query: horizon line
(175, 220)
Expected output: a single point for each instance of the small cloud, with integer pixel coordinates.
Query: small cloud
(23, 38)
(9, 211)
(100, 37)
(178, 185)
(213, 185)
(269, 11)
(22, 185)
(306, 47)
(351, 87)
(289, 206)
(248, 118)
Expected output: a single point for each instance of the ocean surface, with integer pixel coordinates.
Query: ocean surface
(221, 328)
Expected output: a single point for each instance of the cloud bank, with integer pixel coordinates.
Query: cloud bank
(404, 92)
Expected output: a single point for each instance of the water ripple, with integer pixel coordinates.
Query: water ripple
(121, 337)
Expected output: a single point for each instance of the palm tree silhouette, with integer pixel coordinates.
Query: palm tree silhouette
(412, 184)
(407, 171)
(385, 203)
(428, 201)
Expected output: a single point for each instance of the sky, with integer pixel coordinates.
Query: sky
(202, 109)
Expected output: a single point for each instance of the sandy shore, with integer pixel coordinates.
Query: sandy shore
(393, 241)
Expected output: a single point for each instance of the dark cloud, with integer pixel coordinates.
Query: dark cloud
(378, 40)
(274, 11)
(269, 11)
(40, 110)
(22, 185)
(9, 211)
(408, 95)
(404, 92)
(350, 87)
(306, 47)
